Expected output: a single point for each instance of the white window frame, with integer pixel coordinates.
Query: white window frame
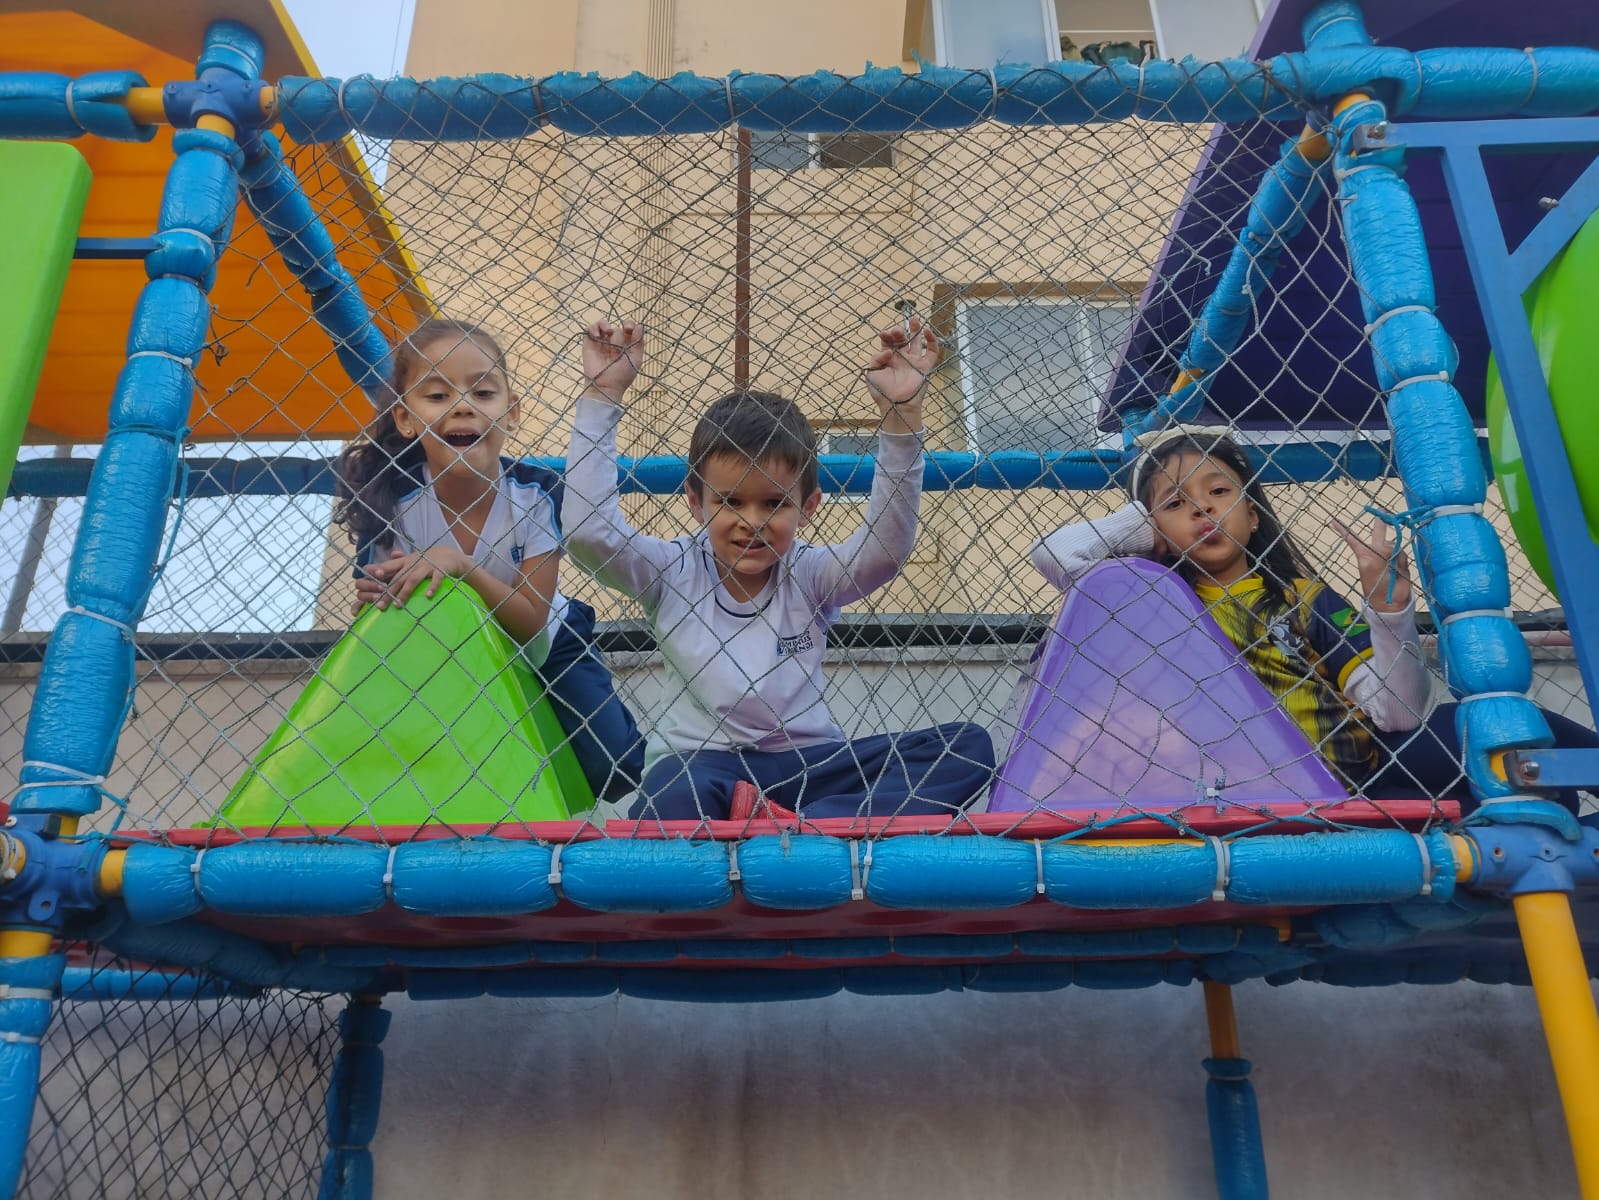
(1169, 51)
(963, 305)
(813, 151)
(824, 439)
(941, 32)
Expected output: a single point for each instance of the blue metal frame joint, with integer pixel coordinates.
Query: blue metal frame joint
(57, 876)
(1516, 860)
(218, 94)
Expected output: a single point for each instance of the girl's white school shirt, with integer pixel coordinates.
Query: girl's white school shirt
(521, 524)
(746, 676)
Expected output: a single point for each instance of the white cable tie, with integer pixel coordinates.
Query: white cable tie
(79, 778)
(866, 868)
(1533, 90)
(186, 363)
(1446, 510)
(733, 874)
(199, 233)
(1394, 312)
(1494, 696)
(554, 877)
(388, 875)
(78, 610)
(194, 871)
(1435, 377)
(727, 89)
(1343, 173)
(72, 108)
(1224, 866)
(1038, 858)
(856, 890)
(1513, 796)
(12, 1038)
(7, 992)
(993, 95)
(1472, 613)
(1427, 867)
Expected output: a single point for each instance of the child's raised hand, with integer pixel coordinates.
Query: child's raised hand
(897, 374)
(613, 352)
(391, 583)
(1384, 579)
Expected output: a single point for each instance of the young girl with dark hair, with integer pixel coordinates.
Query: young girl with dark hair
(1353, 678)
(425, 494)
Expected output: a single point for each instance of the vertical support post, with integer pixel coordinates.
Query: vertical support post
(29, 977)
(1572, 552)
(1570, 1024)
(1235, 1147)
(86, 685)
(354, 1098)
(741, 265)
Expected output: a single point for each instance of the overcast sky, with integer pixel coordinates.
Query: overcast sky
(351, 37)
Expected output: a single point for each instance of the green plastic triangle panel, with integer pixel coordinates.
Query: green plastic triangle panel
(41, 205)
(418, 714)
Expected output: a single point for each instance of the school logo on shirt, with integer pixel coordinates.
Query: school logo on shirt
(1348, 621)
(797, 644)
(516, 554)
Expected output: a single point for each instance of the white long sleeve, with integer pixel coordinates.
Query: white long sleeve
(1070, 552)
(600, 539)
(1393, 687)
(836, 575)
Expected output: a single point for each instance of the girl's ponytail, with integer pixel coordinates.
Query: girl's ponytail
(373, 473)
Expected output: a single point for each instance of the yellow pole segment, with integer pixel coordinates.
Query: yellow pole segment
(1570, 1023)
(109, 880)
(144, 104)
(24, 943)
(1222, 1020)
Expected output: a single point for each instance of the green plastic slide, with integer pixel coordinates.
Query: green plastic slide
(1565, 324)
(418, 714)
(41, 207)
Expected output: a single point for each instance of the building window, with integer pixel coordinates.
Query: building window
(855, 441)
(983, 33)
(979, 34)
(786, 150)
(1033, 371)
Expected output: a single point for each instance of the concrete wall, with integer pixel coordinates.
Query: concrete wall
(1398, 1092)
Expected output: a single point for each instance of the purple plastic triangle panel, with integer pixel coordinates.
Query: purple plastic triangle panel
(1140, 702)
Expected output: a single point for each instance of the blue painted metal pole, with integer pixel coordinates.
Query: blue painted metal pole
(354, 1098)
(85, 688)
(1277, 211)
(1461, 559)
(302, 239)
(1236, 1152)
(28, 981)
(1573, 553)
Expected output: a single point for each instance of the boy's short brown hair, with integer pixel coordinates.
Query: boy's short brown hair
(760, 427)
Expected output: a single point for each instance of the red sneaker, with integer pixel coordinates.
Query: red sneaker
(747, 804)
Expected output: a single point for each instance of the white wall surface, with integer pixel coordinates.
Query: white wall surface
(1392, 1092)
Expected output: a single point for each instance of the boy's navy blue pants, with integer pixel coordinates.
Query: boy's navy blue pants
(924, 772)
(1426, 761)
(600, 730)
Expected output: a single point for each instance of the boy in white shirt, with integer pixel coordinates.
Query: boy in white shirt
(740, 610)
